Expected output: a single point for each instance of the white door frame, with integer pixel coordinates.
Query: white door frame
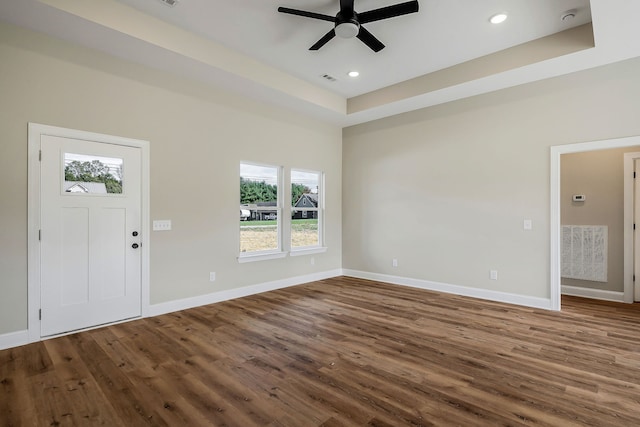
(556, 152)
(629, 220)
(34, 206)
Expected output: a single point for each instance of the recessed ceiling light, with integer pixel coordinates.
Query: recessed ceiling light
(498, 18)
(353, 74)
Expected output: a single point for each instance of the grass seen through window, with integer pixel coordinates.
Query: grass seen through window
(259, 235)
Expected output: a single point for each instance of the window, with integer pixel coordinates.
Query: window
(93, 175)
(306, 210)
(260, 211)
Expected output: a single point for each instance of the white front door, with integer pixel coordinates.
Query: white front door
(90, 262)
(636, 233)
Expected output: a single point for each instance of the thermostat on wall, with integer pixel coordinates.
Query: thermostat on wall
(579, 197)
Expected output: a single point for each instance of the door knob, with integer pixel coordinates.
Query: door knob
(135, 246)
(135, 233)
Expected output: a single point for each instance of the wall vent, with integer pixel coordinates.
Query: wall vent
(584, 252)
(329, 77)
(170, 3)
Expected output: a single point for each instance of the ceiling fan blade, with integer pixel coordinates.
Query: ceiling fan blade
(370, 40)
(331, 34)
(388, 12)
(346, 6)
(307, 14)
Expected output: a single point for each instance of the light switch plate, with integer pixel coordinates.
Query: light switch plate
(162, 225)
(528, 224)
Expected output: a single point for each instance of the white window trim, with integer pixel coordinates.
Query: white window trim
(260, 256)
(308, 250)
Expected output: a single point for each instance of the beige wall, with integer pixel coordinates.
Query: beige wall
(599, 176)
(198, 136)
(445, 190)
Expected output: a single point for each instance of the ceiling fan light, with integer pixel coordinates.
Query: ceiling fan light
(347, 30)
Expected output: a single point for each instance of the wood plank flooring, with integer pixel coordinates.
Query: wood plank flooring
(338, 352)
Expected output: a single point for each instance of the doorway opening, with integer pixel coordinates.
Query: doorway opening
(556, 226)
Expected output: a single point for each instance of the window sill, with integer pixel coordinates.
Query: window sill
(260, 257)
(308, 251)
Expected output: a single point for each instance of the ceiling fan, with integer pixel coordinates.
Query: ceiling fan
(348, 23)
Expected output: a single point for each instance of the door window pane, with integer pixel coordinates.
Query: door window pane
(85, 174)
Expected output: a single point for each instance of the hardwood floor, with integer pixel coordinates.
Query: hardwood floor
(338, 352)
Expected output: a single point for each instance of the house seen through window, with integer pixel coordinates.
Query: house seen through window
(84, 174)
(260, 208)
(306, 209)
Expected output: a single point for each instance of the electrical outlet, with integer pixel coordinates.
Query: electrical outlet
(528, 224)
(493, 274)
(313, 261)
(394, 262)
(212, 276)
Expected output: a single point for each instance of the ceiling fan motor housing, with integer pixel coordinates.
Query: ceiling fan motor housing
(347, 26)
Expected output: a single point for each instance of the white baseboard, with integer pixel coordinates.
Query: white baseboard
(183, 304)
(577, 291)
(14, 339)
(523, 300)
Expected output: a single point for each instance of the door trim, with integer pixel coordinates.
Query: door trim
(629, 219)
(554, 225)
(35, 132)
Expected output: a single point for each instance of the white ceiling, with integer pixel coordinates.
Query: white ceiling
(443, 33)
(248, 47)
